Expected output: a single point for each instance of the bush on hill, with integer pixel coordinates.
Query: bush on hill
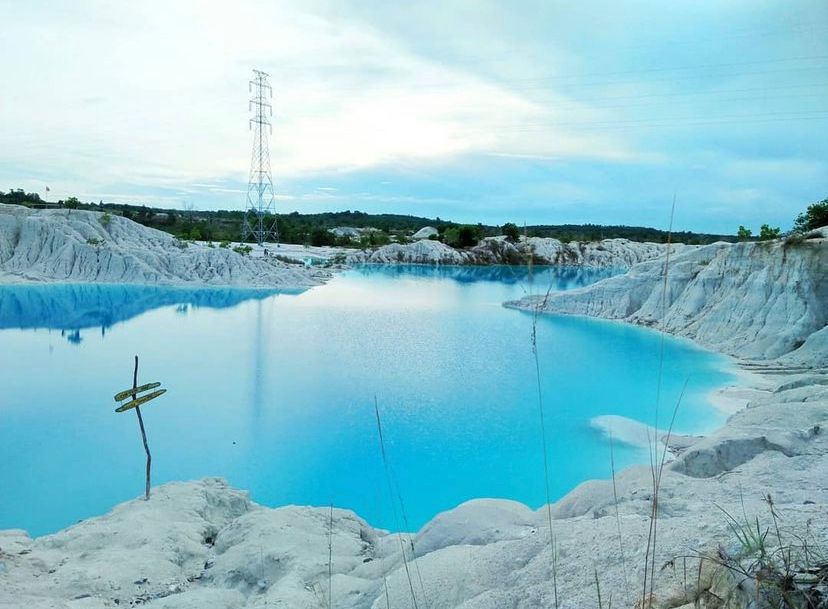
(816, 216)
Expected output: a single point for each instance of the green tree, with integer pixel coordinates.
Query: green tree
(816, 216)
(766, 233)
(465, 235)
(376, 238)
(511, 231)
(470, 235)
(451, 236)
(320, 236)
(744, 233)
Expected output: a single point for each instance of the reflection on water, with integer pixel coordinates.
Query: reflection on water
(541, 277)
(74, 307)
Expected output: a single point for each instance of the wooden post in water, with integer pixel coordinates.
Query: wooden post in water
(131, 399)
(143, 431)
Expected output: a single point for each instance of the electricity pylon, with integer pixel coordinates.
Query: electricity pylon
(260, 196)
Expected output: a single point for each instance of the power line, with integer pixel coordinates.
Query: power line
(718, 96)
(750, 119)
(555, 81)
(668, 121)
(511, 54)
(709, 66)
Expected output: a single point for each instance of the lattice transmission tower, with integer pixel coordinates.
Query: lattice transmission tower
(259, 221)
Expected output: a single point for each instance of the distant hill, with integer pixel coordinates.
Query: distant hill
(225, 225)
(595, 232)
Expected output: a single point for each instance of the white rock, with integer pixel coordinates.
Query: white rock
(76, 246)
(424, 251)
(604, 253)
(425, 232)
(751, 300)
(346, 231)
(620, 253)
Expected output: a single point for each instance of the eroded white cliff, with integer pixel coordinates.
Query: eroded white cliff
(498, 250)
(751, 300)
(81, 246)
(424, 251)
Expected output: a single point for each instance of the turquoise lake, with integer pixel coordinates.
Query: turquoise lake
(275, 392)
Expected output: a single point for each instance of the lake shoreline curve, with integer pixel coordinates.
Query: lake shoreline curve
(204, 544)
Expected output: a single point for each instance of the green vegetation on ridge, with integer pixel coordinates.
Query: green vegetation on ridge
(315, 229)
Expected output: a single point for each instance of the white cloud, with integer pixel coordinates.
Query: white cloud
(155, 93)
(588, 106)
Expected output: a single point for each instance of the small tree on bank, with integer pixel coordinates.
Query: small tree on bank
(465, 235)
(511, 231)
(816, 216)
(766, 233)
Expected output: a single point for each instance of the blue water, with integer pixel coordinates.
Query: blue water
(276, 391)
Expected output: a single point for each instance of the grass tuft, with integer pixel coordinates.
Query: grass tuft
(765, 568)
(539, 306)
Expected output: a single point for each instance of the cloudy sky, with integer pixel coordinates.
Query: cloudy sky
(471, 110)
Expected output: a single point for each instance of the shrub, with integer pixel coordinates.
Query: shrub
(465, 235)
(511, 231)
(105, 219)
(767, 567)
(744, 233)
(816, 216)
(374, 239)
(320, 236)
(766, 233)
(244, 250)
(95, 241)
(224, 244)
(795, 238)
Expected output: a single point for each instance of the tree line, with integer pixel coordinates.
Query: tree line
(314, 229)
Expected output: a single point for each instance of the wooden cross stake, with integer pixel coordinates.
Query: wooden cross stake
(135, 403)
